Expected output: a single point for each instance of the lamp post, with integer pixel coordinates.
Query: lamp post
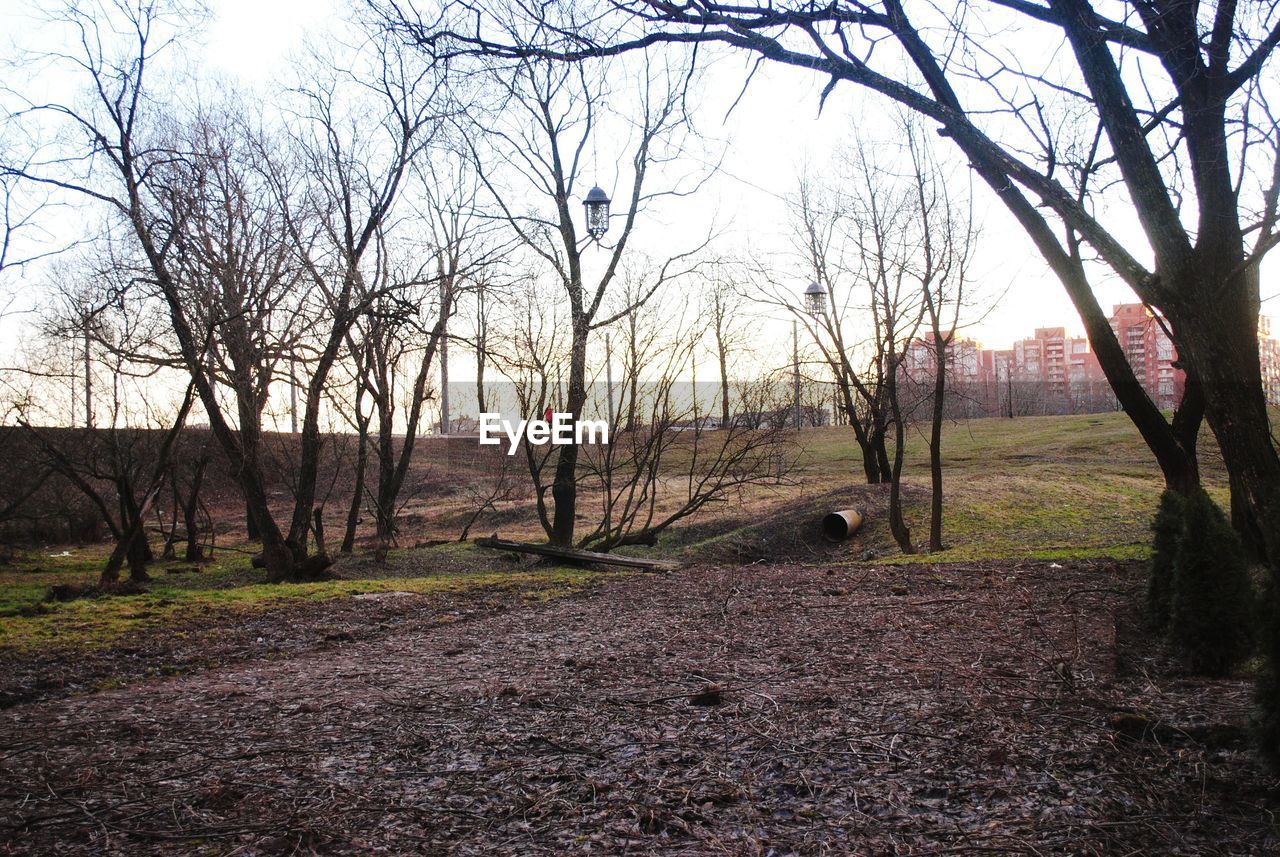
(597, 205)
(815, 303)
(815, 299)
(795, 370)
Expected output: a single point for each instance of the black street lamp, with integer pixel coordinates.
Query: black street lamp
(815, 299)
(597, 206)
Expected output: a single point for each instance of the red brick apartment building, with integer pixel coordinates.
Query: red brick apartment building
(1270, 357)
(1150, 352)
(1051, 372)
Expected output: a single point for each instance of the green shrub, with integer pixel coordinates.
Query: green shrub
(1210, 609)
(1266, 720)
(1266, 724)
(1167, 527)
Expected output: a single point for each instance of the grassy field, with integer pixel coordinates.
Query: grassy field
(1063, 487)
(1041, 488)
(1030, 488)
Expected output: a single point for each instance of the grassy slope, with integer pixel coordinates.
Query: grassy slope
(1066, 487)
(1033, 487)
(28, 622)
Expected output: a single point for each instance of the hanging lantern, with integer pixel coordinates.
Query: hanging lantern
(815, 299)
(597, 205)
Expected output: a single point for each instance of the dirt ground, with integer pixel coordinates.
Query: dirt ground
(1012, 708)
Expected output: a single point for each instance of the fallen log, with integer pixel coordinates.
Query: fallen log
(577, 555)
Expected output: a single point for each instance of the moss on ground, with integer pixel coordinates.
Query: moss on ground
(1046, 488)
(230, 585)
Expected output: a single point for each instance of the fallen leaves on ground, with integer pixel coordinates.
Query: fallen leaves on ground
(747, 710)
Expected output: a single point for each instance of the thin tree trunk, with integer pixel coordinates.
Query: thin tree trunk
(318, 528)
(357, 492)
(190, 513)
(935, 441)
(564, 487)
(482, 345)
(897, 523)
(723, 358)
(252, 530)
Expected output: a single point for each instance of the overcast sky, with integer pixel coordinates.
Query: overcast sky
(774, 131)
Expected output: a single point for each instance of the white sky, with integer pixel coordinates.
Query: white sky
(773, 132)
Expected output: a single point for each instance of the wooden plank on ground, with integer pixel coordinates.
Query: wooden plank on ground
(578, 555)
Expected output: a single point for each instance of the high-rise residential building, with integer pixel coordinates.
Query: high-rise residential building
(1269, 356)
(1051, 372)
(1150, 352)
(963, 358)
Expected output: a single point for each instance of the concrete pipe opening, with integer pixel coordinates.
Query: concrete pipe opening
(838, 526)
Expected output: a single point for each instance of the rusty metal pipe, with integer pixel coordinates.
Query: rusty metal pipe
(838, 526)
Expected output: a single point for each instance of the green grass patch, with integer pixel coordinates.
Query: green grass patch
(1056, 488)
(29, 622)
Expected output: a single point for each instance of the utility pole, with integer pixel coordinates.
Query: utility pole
(1008, 380)
(608, 376)
(293, 393)
(482, 343)
(444, 366)
(88, 375)
(795, 366)
(696, 427)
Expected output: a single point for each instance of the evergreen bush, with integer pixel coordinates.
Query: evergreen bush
(1210, 608)
(1167, 527)
(1266, 725)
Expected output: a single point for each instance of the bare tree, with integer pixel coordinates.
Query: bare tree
(122, 464)
(723, 311)
(187, 476)
(538, 141)
(666, 467)
(825, 241)
(356, 158)
(236, 270)
(347, 179)
(885, 239)
(399, 338)
(1199, 118)
(362, 341)
(117, 127)
(947, 237)
(531, 356)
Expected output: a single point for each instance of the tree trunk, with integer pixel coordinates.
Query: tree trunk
(482, 345)
(392, 470)
(935, 440)
(879, 448)
(190, 510)
(252, 530)
(318, 528)
(130, 544)
(723, 358)
(848, 405)
(870, 459)
(357, 492)
(564, 487)
(133, 522)
(1220, 338)
(897, 523)
(387, 488)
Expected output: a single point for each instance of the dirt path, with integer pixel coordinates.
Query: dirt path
(880, 712)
